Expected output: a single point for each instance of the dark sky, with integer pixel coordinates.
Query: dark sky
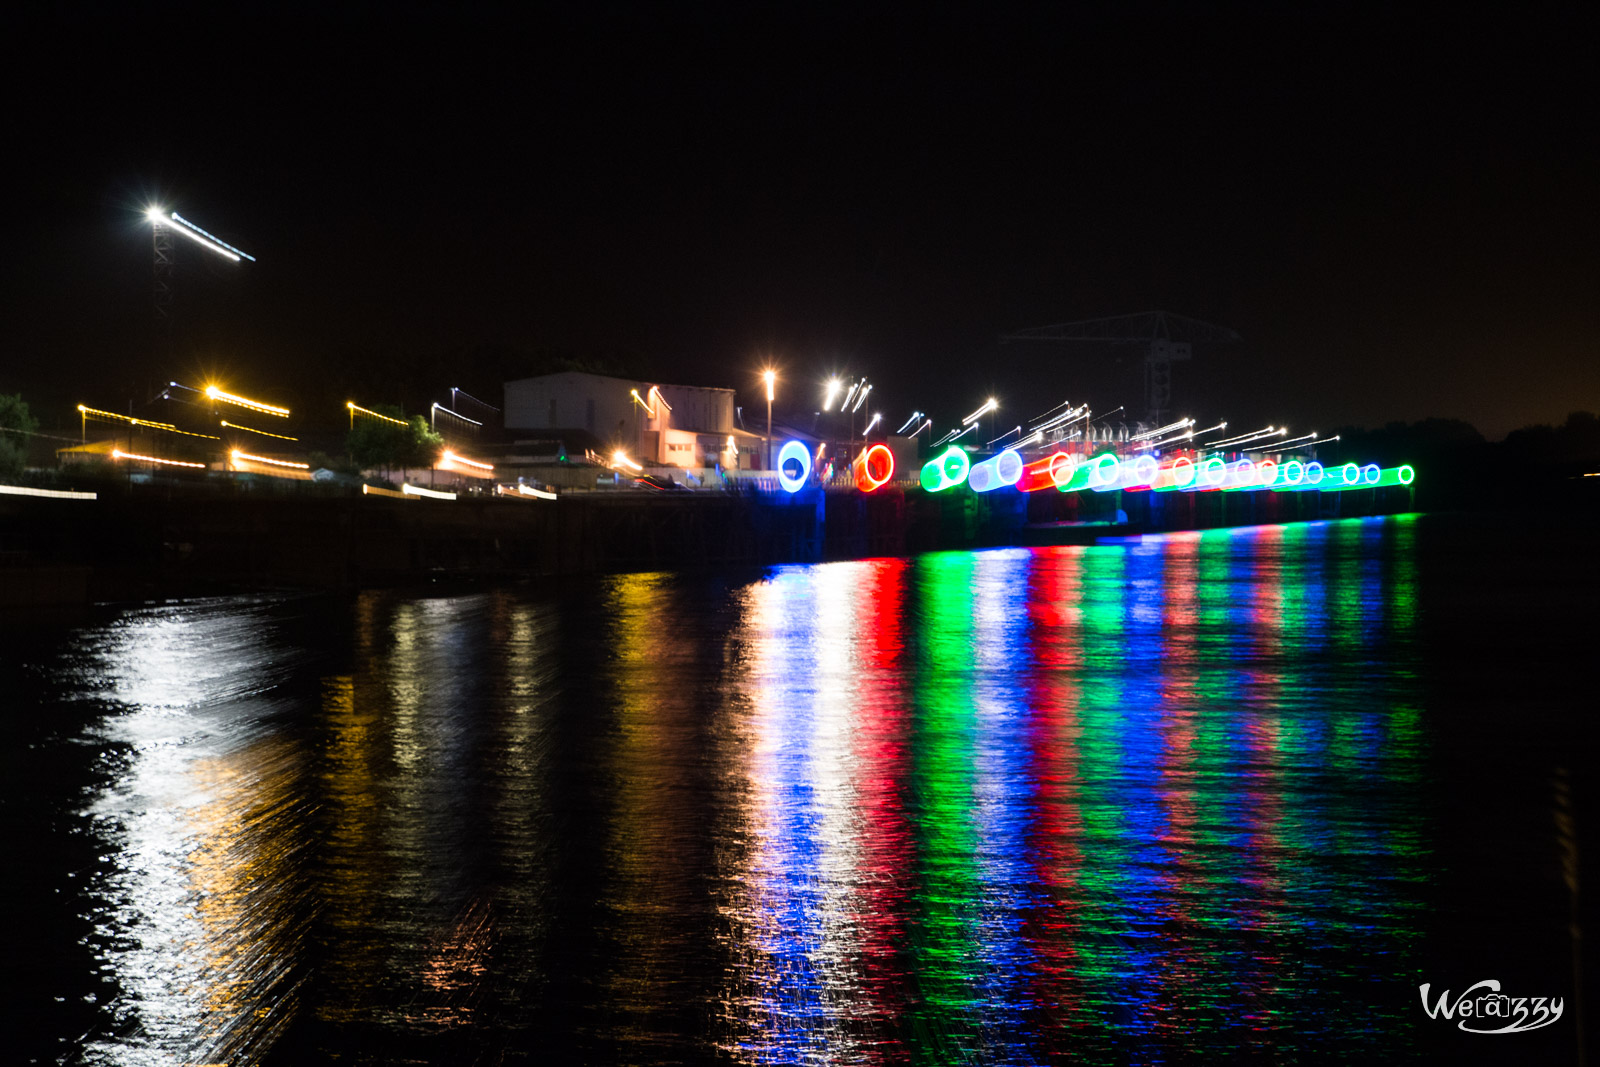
(1397, 212)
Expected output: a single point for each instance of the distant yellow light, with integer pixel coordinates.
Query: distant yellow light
(117, 453)
(254, 405)
(245, 457)
(372, 490)
(620, 459)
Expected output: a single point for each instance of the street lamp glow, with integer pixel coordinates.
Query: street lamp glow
(117, 453)
(834, 386)
(448, 458)
(245, 457)
(769, 377)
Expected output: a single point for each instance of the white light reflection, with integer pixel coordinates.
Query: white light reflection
(198, 912)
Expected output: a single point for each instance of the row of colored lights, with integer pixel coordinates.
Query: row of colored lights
(1103, 473)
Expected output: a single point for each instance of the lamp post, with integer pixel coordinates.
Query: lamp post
(770, 377)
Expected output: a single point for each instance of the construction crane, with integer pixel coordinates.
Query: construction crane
(1165, 338)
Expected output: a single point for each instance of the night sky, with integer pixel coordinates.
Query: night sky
(1398, 213)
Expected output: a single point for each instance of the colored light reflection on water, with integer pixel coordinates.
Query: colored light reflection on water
(1004, 806)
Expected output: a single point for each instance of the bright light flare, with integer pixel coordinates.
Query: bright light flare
(254, 405)
(769, 377)
(455, 415)
(50, 494)
(620, 458)
(834, 385)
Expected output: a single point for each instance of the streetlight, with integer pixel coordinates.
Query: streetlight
(770, 377)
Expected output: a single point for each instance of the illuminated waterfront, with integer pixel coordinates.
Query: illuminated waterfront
(1196, 794)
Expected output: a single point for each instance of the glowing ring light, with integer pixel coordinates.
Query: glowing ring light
(1213, 472)
(1141, 470)
(946, 471)
(1370, 474)
(982, 477)
(1294, 472)
(1244, 473)
(1183, 472)
(1351, 474)
(873, 468)
(996, 471)
(1267, 471)
(1104, 472)
(1062, 470)
(1314, 473)
(1008, 466)
(1406, 474)
(799, 453)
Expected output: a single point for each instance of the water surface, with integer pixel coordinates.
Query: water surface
(1235, 792)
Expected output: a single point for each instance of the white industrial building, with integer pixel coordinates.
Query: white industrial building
(684, 426)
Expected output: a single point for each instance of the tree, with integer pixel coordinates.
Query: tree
(16, 426)
(377, 443)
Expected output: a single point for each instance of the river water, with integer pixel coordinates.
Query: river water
(1237, 792)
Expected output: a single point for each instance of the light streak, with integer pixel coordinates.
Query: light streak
(834, 386)
(117, 453)
(125, 418)
(620, 458)
(915, 415)
(1254, 435)
(1181, 424)
(252, 429)
(655, 391)
(245, 457)
(769, 377)
(873, 468)
(861, 398)
(430, 494)
(454, 390)
(1103, 472)
(373, 490)
(440, 407)
(448, 457)
(797, 452)
(52, 494)
(179, 224)
(946, 470)
(988, 406)
(641, 402)
(925, 426)
(1293, 442)
(850, 394)
(1002, 437)
(237, 252)
(254, 405)
(528, 490)
(1211, 429)
(354, 407)
(875, 417)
